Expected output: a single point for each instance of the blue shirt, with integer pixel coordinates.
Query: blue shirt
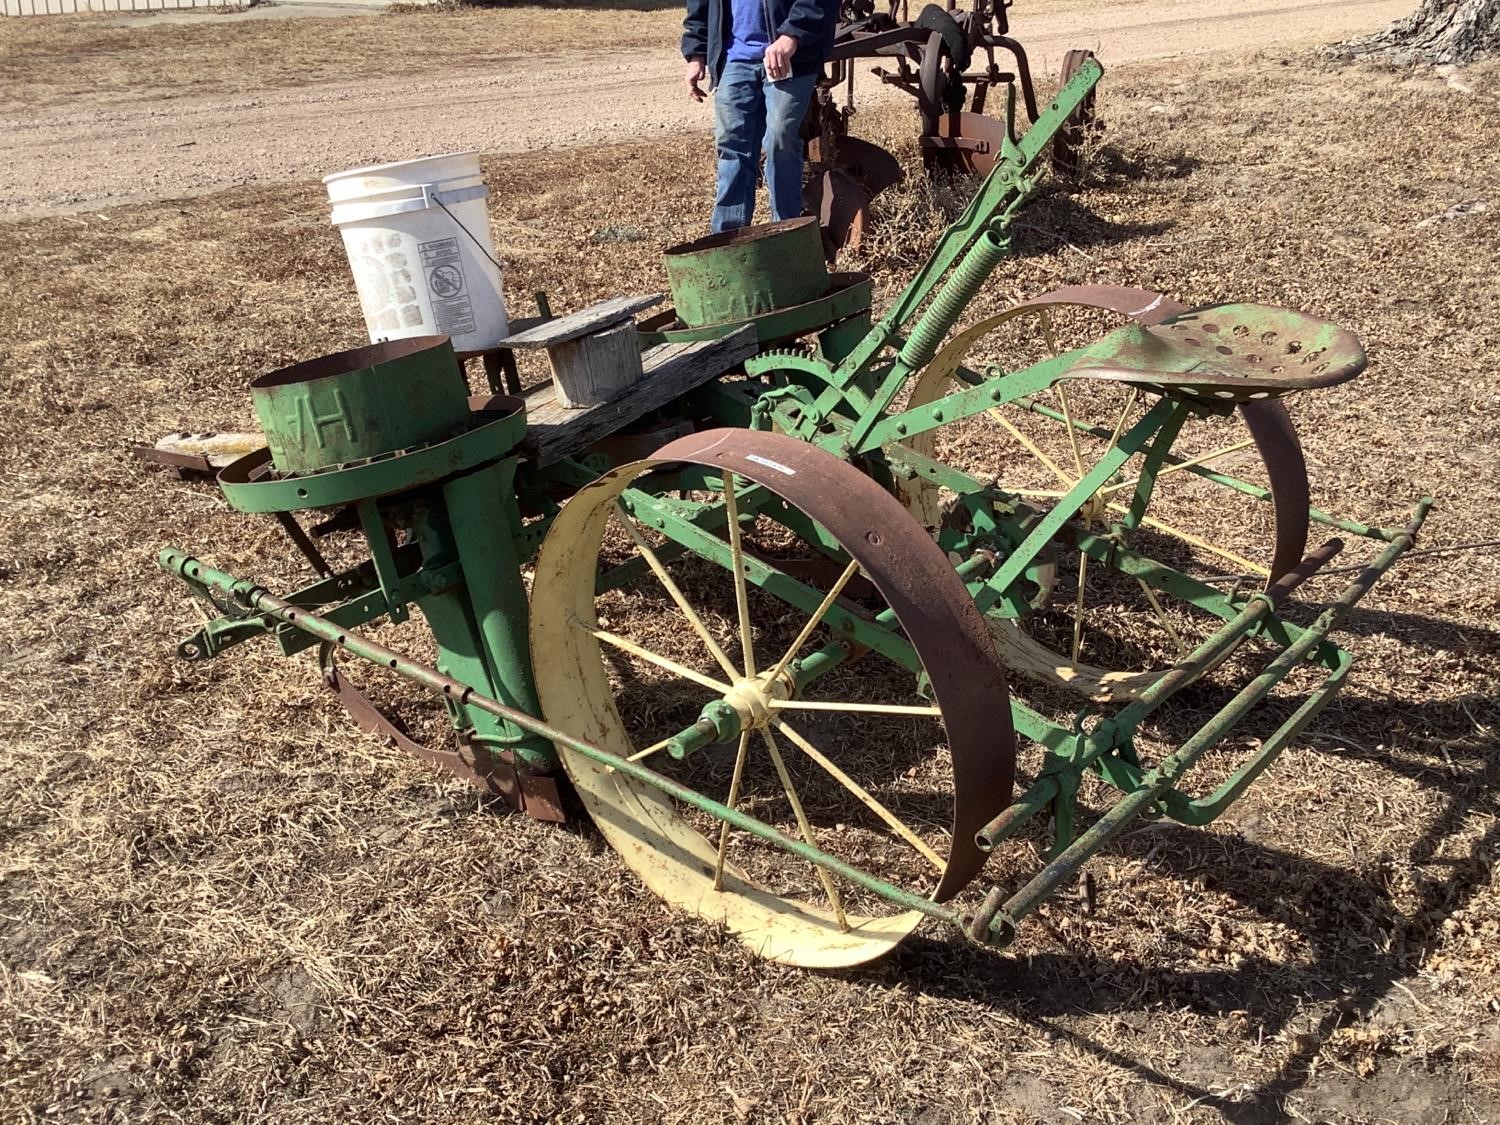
(749, 35)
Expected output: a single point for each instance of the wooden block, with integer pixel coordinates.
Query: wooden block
(591, 370)
(582, 323)
(554, 432)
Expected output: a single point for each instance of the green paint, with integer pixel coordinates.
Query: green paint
(353, 405)
(732, 277)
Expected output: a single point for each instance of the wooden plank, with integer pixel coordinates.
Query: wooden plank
(597, 368)
(554, 432)
(518, 325)
(581, 323)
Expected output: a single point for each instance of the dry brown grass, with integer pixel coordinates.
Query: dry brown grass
(219, 902)
(95, 60)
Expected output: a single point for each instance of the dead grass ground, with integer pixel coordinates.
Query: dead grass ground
(219, 902)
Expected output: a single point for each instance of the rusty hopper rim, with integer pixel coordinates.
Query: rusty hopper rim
(361, 403)
(741, 274)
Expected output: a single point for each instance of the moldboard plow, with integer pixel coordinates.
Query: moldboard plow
(886, 601)
(946, 60)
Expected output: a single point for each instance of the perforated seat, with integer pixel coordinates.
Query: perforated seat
(1227, 353)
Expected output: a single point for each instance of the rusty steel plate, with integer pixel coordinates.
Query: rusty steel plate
(966, 142)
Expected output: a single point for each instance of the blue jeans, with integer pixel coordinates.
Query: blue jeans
(750, 113)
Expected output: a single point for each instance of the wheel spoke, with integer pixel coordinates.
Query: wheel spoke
(1124, 414)
(654, 748)
(863, 708)
(814, 620)
(1189, 537)
(650, 657)
(802, 823)
(895, 823)
(1067, 410)
(1036, 493)
(1032, 447)
(1161, 616)
(677, 595)
(1112, 489)
(640, 755)
(1045, 319)
(737, 564)
(1083, 573)
(734, 796)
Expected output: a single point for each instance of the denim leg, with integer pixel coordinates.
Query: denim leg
(739, 124)
(786, 105)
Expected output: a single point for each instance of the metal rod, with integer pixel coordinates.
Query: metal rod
(1206, 809)
(1017, 813)
(996, 920)
(303, 542)
(263, 601)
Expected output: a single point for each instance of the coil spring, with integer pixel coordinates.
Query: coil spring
(953, 298)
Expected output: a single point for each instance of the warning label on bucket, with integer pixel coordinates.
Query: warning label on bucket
(451, 307)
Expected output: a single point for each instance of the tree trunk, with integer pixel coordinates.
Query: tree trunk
(1439, 32)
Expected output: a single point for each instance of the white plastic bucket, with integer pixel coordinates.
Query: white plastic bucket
(418, 239)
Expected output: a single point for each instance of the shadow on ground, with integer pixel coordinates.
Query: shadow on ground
(1363, 943)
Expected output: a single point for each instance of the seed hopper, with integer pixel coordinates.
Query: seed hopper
(892, 600)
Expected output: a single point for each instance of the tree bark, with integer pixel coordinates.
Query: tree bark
(1439, 32)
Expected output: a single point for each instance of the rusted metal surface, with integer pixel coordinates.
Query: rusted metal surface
(920, 586)
(1068, 145)
(487, 771)
(1142, 305)
(965, 142)
(1286, 472)
(1227, 353)
(949, 60)
(842, 207)
(303, 542)
(198, 454)
(844, 174)
(871, 166)
(184, 465)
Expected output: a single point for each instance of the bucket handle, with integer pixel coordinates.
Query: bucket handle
(460, 196)
(430, 198)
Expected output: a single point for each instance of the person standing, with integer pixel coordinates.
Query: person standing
(761, 59)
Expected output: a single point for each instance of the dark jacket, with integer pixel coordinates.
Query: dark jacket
(705, 32)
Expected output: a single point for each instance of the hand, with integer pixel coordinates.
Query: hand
(779, 57)
(692, 76)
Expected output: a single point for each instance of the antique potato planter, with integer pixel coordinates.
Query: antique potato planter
(794, 661)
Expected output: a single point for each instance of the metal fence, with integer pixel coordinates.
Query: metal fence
(72, 7)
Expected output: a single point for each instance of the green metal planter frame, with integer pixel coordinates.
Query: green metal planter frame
(465, 574)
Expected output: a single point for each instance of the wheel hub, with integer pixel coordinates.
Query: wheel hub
(751, 698)
(1094, 509)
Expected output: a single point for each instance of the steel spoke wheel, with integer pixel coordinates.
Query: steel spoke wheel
(857, 762)
(1098, 631)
